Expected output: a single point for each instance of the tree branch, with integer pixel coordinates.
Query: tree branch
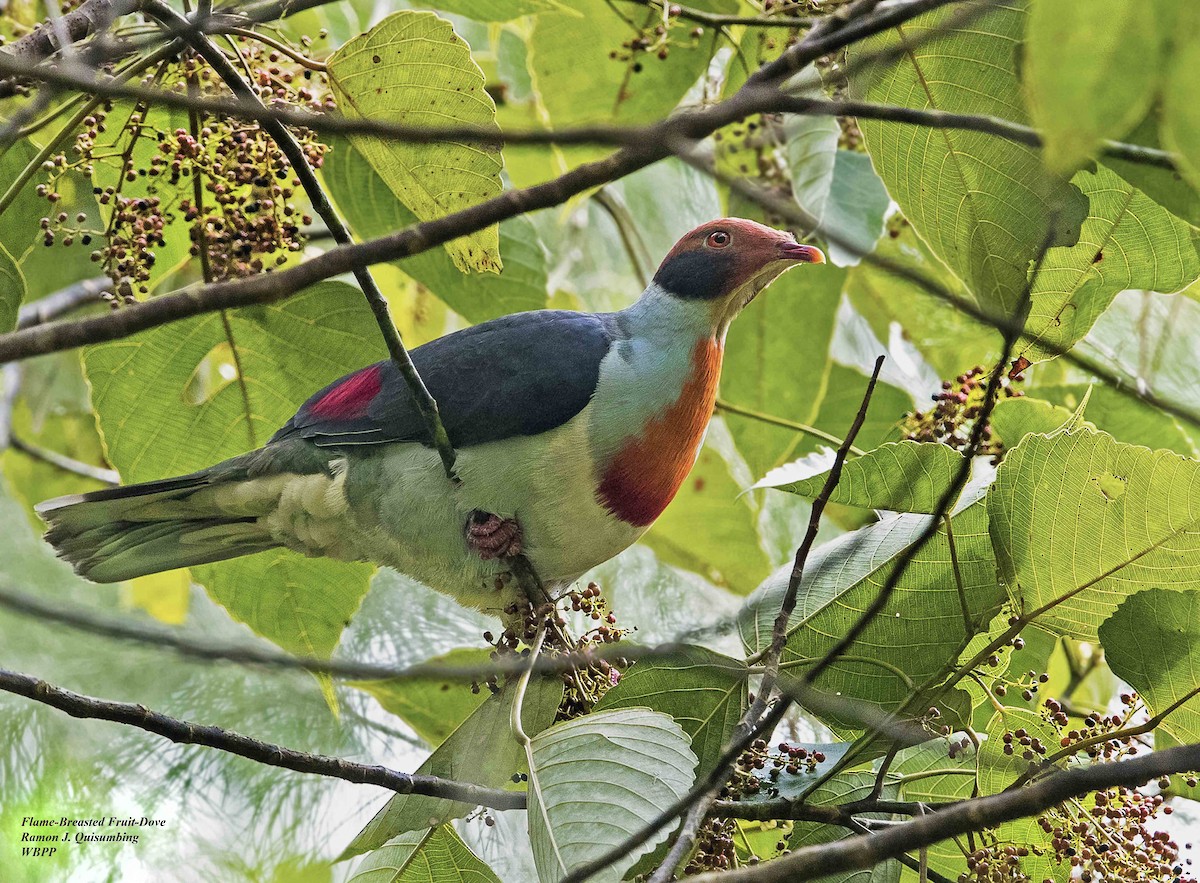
(88, 18)
(186, 733)
(866, 851)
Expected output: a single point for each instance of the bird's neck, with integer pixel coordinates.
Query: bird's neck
(653, 404)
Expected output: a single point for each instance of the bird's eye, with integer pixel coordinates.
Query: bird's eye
(718, 239)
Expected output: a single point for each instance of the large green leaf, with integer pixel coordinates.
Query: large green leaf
(564, 44)
(983, 204)
(703, 691)
(1081, 521)
(1073, 51)
(1152, 642)
(434, 707)
(413, 68)
(1127, 241)
(596, 780)
(184, 396)
(710, 528)
(1181, 112)
(904, 476)
(432, 856)
(12, 290)
(482, 751)
(947, 338)
(776, 363)
(373, 210)
(922, 625)
(1119, 413)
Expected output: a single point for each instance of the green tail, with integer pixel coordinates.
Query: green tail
(117, 534)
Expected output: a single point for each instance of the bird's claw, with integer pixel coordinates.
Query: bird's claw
(492, 536)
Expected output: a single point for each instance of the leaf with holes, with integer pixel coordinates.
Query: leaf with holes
(983, 204)
(596, 780)
(703, 691)
(952, 579)
(482, 751)
(429, 856)
(904, 476)
(1134, 523)
(1127, 241)
(412, 68)
(179, 398)
(1152, 642)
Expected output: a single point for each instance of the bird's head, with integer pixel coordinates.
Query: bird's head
(722, 265)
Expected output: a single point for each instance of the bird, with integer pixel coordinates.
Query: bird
(572, 430)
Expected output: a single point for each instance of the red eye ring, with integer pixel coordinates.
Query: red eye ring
(718, 239)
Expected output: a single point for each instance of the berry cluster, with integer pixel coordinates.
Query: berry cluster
(653, 40)
(759, 770)
(1108, 837)
(956, 408)
(239, 213)
(592, 604)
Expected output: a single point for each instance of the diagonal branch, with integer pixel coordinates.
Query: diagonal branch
(866, 851)
(186, 733)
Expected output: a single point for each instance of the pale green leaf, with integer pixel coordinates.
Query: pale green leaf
(1081, 521)
(983, 204)
(482, 751)
(923, 623)
(182, 397)
(703, 691)
(372, 210)
(1013, 419)
(996, 768)
(904, 476)
(1127, 241)
(434, 707)
(929, 774)
(1181, 111)
(839, 188)
(1121, 414)
(1152, 642)
(776, 363)
(12, 290)
(413, 68)
(424, 857)
(596, 780)
(1074, 50)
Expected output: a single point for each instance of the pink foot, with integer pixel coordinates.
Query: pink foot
(492, 536)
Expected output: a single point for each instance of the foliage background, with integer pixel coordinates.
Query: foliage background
(175, 398)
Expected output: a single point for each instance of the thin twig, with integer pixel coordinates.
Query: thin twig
(63, 462)
(794, 425)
